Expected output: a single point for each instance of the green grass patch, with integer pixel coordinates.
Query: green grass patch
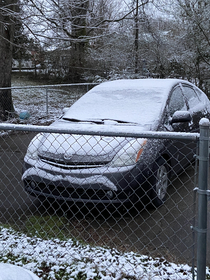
(47, 227)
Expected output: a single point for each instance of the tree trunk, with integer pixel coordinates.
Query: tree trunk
(6, 34)
(79, 17)
(137, 37)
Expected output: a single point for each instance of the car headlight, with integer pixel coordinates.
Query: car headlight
(129, 154)
(32, 151)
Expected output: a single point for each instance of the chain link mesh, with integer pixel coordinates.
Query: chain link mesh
(70, 216)
(44, 103)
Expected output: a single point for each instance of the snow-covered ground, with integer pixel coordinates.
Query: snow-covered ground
(57, 259)
(43, 104)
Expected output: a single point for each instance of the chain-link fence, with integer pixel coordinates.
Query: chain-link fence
(37, 104)
(77, 204)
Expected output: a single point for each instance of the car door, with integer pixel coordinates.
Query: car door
(196, 107)
(180, 151)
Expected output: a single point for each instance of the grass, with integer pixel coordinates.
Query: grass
(64, 258)
(47, 227)
(34, 100)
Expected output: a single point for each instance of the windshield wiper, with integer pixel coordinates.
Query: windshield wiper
(103, 121)
(84, 121)
(116, 121)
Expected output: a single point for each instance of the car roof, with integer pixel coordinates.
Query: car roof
(139, 101)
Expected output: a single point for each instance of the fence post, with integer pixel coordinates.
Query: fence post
(47, 101)
(202, 198)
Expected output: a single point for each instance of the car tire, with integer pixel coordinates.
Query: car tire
(159, 183)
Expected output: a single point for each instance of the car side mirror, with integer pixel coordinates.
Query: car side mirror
(181, 116)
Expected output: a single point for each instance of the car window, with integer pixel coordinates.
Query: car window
(176, 102)
(191, 96)
(198, 92)
(201, 95)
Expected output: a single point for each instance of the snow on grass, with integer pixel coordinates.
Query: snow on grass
(34, 100)
(56, 259)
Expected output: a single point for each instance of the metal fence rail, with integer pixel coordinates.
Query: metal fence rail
(43, 100)
(74, 231)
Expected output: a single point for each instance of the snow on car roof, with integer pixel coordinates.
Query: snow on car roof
(138, 101)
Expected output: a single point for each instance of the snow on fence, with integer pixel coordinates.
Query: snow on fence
(59, 214)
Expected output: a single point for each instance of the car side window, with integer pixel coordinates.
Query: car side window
(191, 96)
(199, 92)
(176, 102)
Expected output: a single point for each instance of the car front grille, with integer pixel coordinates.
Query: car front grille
(72, 165)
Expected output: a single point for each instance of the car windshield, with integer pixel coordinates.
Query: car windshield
(134, 101)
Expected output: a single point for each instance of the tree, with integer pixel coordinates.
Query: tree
(8, 10)
(21, 44)
(108, 37)
(195, 15)
(193, 39)
(82, 27)
(73, 21)
(62, 24)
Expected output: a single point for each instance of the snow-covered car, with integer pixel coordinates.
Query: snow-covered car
(117, 170)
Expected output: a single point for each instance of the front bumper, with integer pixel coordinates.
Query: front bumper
(115, 186)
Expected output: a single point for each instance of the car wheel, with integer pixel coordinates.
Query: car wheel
(160, 183)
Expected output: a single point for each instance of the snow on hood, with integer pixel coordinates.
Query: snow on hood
(80, 148)
(138, 101)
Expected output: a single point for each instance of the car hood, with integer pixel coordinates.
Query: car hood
(79, 149)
